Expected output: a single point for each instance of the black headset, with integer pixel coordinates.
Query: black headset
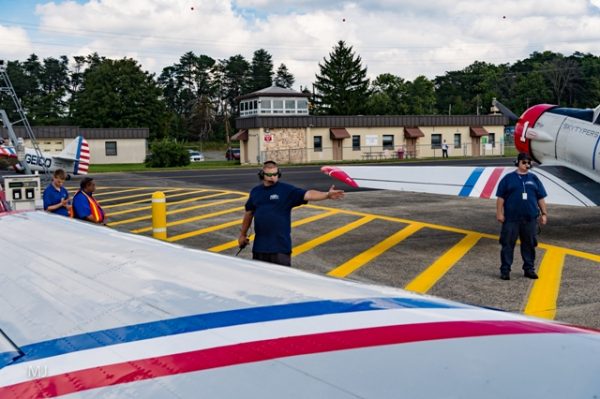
(261, 173)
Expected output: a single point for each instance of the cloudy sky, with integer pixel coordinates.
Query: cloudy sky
(403, 37)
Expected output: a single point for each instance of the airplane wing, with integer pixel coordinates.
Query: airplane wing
(563, 185)
(93, 312)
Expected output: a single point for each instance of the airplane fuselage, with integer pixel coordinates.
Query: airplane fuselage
(563, 136)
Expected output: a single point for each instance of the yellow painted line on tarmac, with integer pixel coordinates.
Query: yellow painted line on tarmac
(147, 195)
(176, 211)
(205, 230)
(365, 257)
(185, 201)
(310, 219)
(192, 219)
(124, 191)
(543, 297)
(149, 198)
(307, 246)
(430, 276)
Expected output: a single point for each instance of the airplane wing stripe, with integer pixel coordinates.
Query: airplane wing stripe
(207, 321)
(269, 349)
(488, 190)
(470, 183)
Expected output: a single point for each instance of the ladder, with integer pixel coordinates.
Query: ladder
(7, 88)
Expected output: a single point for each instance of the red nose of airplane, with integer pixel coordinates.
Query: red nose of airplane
(527, 120)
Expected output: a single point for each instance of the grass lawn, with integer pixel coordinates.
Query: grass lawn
(140, 167)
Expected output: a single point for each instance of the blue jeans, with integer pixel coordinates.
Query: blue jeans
(526, 231)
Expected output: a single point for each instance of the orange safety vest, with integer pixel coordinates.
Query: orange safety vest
(97, 212)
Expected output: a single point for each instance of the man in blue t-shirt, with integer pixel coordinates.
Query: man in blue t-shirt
(270, 205)
(520, 201)
(56, 197)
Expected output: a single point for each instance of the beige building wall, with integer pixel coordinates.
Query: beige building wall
(295, 145)
(128, 151)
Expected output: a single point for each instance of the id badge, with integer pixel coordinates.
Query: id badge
(524, 196)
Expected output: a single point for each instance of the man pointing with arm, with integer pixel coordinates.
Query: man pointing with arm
(270, 206)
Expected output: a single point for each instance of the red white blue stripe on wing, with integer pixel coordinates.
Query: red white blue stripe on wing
(207, 341)
(8, 152)
(482, 182)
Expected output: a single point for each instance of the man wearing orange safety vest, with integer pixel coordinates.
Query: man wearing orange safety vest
(85, 206)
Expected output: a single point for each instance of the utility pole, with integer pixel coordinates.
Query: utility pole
(7, 88)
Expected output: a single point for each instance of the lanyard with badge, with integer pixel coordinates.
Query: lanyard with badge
(524, 194)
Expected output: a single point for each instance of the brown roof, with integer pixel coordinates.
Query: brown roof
(413, 133)
(242, 134)
(477, 131)
(338, 133)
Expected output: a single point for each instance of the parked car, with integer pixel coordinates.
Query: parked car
(232, 154)
(196, 156)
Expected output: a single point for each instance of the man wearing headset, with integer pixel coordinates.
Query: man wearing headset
(519, 204)
(270, 205)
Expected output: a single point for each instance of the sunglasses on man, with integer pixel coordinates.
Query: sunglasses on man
(526, 162)
(271, 174)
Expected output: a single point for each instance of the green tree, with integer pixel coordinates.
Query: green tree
(261, 71)
(342, 87)
(387, 97)
(117, 93)
(283, 78)
(420, 96)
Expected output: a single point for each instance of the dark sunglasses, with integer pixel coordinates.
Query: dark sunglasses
(526, 162)
(271, 174)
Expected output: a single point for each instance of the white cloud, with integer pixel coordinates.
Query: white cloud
(407, 38)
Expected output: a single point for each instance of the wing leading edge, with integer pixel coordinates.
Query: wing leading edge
(467, 181)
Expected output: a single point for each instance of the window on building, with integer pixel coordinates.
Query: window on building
(318, 143)
(302, 105)
(110, 148)
(355, 143)
(265, 106)
(436, 140)
(290, 106)
(278, 106)
(492, 139)
(388, 141)
(457, 140)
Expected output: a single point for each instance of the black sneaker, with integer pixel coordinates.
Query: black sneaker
(505, 276)
(531, 274)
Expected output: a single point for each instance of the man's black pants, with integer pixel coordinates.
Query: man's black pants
(526, 231)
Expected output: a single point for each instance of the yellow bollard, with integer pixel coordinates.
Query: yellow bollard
(159, 215)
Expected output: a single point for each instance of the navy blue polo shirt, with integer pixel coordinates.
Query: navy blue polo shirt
(272, 209)
(511, 189)
(52, 196)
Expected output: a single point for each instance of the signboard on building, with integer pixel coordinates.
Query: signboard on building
(371, 140)
(268, 138)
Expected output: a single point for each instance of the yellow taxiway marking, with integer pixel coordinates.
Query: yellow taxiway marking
(361, 259)
(192, 219)
(149, 198)
(307, 246)
(234, 243)
(194, 233)
(176, 211)
(544, 293)
(185, 201)
(427, 279)
(124, 191)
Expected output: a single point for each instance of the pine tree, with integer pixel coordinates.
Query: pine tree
(283, 78)
(342, 87)
(261, 71)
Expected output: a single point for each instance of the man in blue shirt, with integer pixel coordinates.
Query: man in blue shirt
(270, 205)
(56, 197)
(520, 200)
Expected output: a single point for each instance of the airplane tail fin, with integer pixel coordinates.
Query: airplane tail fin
(79, 150)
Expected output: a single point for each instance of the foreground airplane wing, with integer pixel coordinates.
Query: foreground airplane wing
(564, 186)
(98, 313)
